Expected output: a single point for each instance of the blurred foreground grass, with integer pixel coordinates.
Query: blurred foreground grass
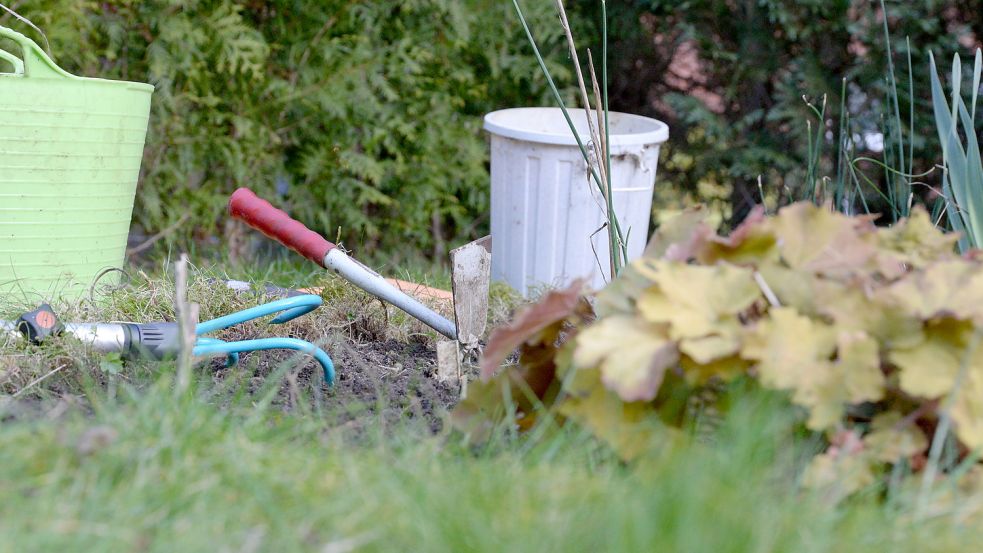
(208, 471)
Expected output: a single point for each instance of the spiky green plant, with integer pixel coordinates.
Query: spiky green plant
(962, 180)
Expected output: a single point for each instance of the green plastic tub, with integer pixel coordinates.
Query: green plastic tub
(70, 152)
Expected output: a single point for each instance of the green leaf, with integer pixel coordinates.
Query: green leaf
(111, 364)
(967, 206)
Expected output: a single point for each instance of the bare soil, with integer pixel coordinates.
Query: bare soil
(392, 379)
(387, 381)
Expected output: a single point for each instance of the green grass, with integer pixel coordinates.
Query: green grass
(155, 472)
(253, 462)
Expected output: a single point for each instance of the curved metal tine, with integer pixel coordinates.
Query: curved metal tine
(293, 313)
(271, 343)
(231, 359)
(294, 307)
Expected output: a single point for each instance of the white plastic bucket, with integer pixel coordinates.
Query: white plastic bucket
(547, 219)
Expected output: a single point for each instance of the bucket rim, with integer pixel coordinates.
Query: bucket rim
(515, 123)
(36, 65)
(10, 78)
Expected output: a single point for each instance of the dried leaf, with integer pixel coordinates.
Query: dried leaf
(619, 296)
(891, 438)
(858, 368)
(790, 349)
(951, 288)
(556, 306)
(793, 353)
(843, 469)
(967, 409)
(914, 242)
(854, 377)
(949, 360)
(477, 415)
(816, 240)
(753, 242)
(709, 348)
(853, 309)
(793, 288)
(631, 428)
(929, 368)
(681, 237)
(697, 301)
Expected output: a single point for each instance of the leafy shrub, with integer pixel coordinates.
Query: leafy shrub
(734, 97)
(359, 117)
(874, 332)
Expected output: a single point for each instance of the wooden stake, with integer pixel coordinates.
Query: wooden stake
(471, 276)
(449, 362)
(187, 319)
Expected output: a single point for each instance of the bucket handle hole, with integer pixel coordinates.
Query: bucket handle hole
(10, 61)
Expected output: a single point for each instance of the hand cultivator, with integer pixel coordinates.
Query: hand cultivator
(162, 340)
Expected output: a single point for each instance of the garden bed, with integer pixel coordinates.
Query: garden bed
(385, 361)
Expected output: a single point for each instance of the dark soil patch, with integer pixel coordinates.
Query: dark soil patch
(391, 379)
(384, 382)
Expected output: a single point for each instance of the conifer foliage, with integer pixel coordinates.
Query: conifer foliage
(358, 116)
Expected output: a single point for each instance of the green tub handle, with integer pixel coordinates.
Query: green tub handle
(36, 64)
(14, 61)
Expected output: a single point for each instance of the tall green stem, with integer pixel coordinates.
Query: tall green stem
(615, 234)
(618, 244)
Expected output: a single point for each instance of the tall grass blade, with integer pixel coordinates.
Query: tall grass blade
(612, 216)
(606, 168)
(899, 138)
(955, 217)
(911, 111)
(956, 81)
(607, 136)
(974, 171)
(977, 69)
(814, 151)
(842, 199)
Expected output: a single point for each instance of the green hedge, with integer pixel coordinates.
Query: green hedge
(361, 118)
(758, 59)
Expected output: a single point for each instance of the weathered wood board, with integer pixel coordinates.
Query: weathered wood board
(471, 276)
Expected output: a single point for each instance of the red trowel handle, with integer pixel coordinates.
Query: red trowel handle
(259, 214)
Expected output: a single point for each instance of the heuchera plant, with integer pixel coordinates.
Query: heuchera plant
(874, 332)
